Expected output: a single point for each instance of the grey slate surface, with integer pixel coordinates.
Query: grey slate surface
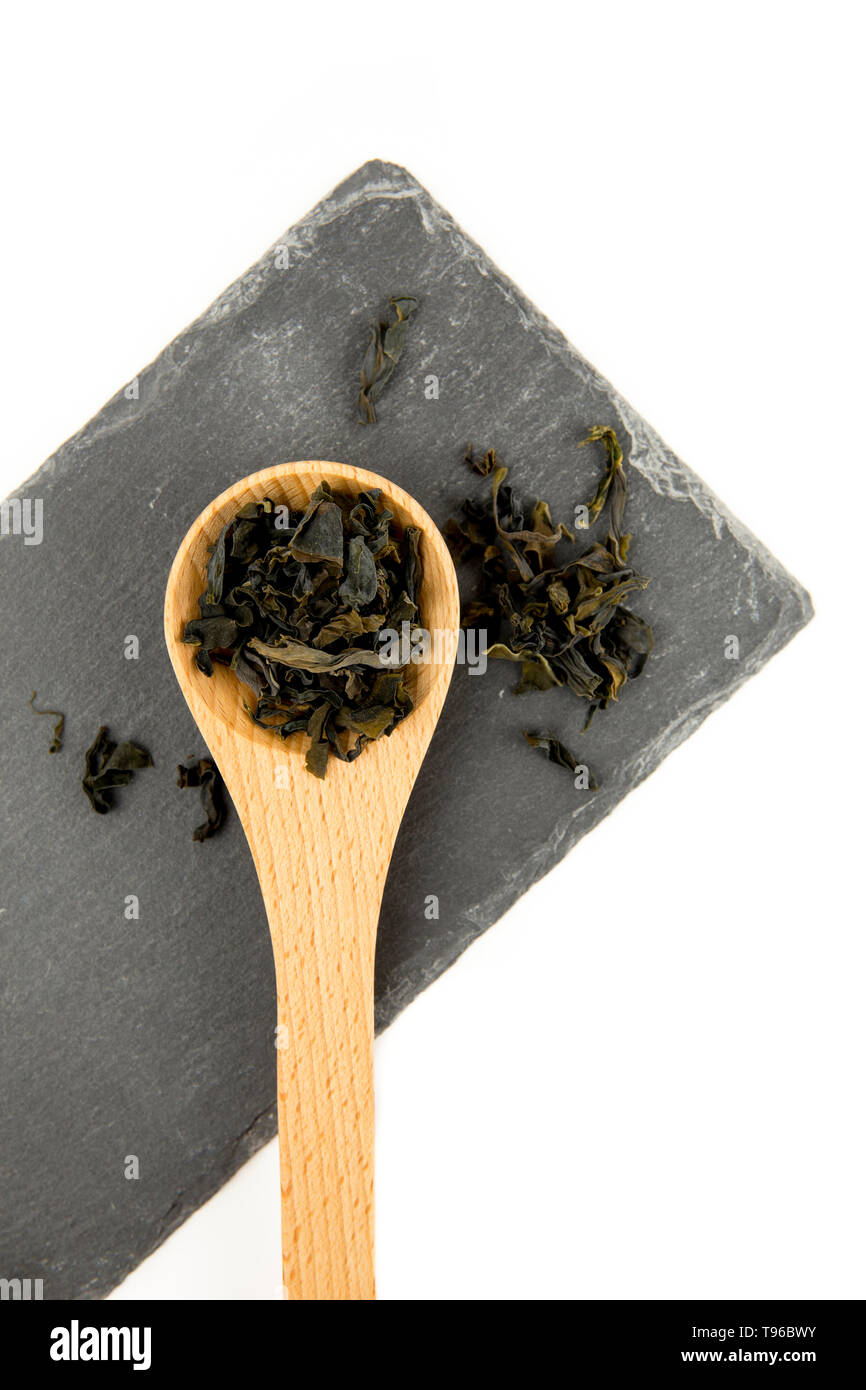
(154, 1037)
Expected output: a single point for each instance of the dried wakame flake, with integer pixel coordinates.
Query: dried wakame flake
(108, 765)
(484, 464)
(556, 752)
(562, 619)
(298, 607)
(57, 739)
(204, 774)
(384, 349)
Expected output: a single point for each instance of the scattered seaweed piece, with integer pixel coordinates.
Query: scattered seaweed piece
(384, 349)
(565, 624)
(108, 765)
(556, 752)
(204, 774)
(57, 740)
(484, 464)
(296, 605)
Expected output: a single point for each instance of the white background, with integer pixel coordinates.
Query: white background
(660, 1102)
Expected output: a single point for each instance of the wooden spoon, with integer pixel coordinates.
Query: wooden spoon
(321, 850)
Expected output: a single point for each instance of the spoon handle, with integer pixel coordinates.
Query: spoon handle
(321, 851)
(324, 938)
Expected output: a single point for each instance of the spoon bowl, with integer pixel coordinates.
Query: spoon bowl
(321, 848)
(222, 696)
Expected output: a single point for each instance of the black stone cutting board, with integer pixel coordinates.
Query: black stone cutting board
(153, 1037)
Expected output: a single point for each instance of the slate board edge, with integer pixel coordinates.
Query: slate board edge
(260, 1131)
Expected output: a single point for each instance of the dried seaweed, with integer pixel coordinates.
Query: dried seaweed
(482, 465)
(296, 605)
(108, 765)
(556, 752)
(204, 774)
(563, 622)
(384, 349)
(57, 739)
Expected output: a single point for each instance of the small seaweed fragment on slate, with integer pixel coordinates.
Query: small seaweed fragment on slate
(484, 464)
(108, 765)
(57, 740)
(297, 603)
(564, 623)
(556, 752)
(204, 774)
(384, 350)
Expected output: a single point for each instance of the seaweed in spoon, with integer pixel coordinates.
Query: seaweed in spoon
(296, 605)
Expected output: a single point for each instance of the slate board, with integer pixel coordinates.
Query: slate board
(154, 1037)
